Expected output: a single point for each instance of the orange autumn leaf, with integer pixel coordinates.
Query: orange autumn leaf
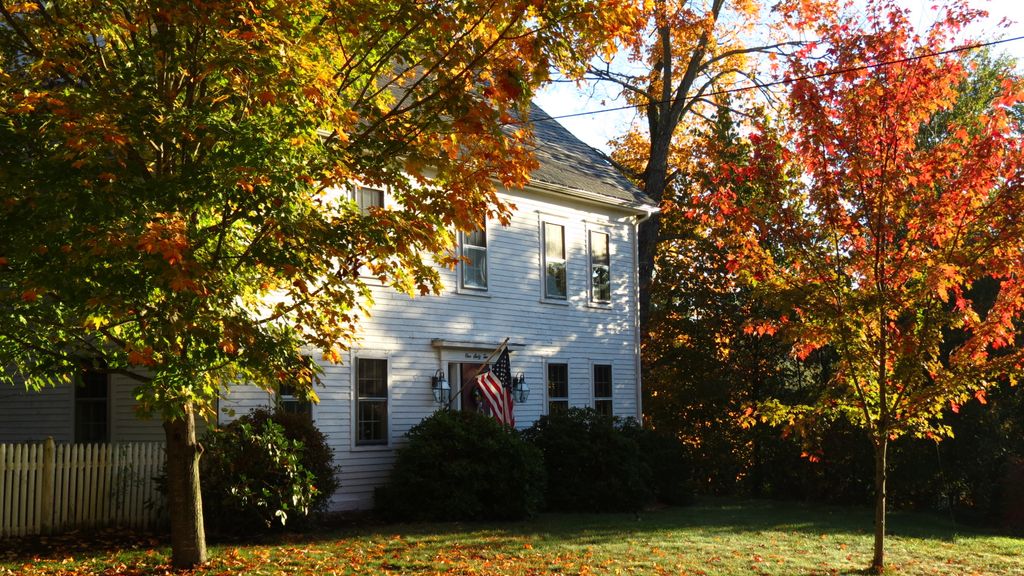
(979, 395)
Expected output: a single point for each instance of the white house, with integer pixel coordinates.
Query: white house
(559, 282)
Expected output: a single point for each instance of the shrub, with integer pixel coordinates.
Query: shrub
(1011, 496)
(258, 472)
(591, 464)
(463, 466)
(317, 455)
(670, 476)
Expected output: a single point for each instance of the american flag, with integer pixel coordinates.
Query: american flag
(496, 387)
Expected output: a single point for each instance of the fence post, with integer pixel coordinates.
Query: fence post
(49, 472)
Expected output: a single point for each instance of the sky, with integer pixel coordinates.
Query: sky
(559, 99)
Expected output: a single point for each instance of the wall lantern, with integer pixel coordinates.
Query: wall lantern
(520, 390)
(439, 384)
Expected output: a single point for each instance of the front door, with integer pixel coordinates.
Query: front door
(464, 384)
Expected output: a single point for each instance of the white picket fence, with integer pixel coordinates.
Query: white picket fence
(49, 488)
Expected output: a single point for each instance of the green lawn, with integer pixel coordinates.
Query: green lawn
(714, 537)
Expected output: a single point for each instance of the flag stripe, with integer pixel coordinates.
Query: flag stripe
(496, 388)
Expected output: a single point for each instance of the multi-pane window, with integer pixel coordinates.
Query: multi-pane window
(554, 261)
(474, 263)
(92, 394)
(558, 388)
(600, 271)
(289, 401)
(371, 401)
(603, 389)
(367, 197)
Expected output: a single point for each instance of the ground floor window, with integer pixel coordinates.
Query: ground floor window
(603, 389)
(92, 412)
(371, 401)
(558, 388)
(289, 402)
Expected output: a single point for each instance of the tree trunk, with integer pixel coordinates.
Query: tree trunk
(647, 246)
(655, 181)
(881, 463)
(757, 470)
(184, 500)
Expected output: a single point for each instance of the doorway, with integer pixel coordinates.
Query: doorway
(463, 384)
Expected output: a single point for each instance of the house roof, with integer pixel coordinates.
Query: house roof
(566, 161)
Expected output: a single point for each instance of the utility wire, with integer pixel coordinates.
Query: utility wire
(780, 82)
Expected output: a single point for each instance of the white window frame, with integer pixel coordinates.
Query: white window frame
(352, 190)
(547, 389)
(594, 301)
(594, 398)
(477, 290)
(354, 423)
(542, 233)
(353, 195)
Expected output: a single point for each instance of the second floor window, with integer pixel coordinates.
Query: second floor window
(367, 197)
(371, 401)
(558, 388)
(474, 263)
(600, 271)
(554, 262)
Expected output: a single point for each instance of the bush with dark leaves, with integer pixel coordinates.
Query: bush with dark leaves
(669, 470)
(259, 472)
(463, 466)
(591, 464)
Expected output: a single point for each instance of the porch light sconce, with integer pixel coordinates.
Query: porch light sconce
(439, 384)
(520, 389)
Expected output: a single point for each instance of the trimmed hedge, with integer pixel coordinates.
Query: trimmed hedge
(463, 466)
(591, 464)
(668, 468)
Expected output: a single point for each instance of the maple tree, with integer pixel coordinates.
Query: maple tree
(703, 370)
(175, 181)
(884, 203)
(679, 57)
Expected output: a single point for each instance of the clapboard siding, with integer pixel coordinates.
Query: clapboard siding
(240, 400)
(126, 424)
(579, 334)
(32, 416)
(402, 329)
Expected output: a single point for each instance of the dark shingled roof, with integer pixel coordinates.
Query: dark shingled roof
(567, 161)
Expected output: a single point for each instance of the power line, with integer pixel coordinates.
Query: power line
(784, 81)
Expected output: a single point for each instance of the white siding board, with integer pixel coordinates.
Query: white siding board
(32, 415)
(240, 400)
(125, 424)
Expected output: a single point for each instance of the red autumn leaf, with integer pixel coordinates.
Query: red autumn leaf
(980, 396)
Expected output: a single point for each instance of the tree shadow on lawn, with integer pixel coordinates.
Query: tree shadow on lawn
(75, 543)
(710, 518)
